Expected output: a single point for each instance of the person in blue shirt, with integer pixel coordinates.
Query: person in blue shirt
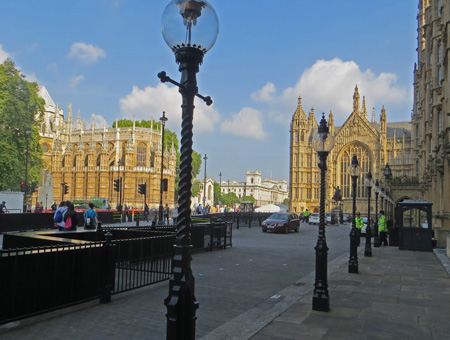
(90, 218)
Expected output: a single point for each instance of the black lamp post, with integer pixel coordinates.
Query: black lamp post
(204, 185)
(220, 193)
(190, 28)
(322, 142)
(27, 137)
(376, 190)
(368, 183)
(355, 171)
(163, 120)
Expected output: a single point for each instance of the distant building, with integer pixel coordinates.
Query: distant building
(264, 191)
(88, 160)
(374, 144)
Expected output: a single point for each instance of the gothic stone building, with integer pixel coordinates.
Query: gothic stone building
(374, 144)
(89, 160)
(431, 114)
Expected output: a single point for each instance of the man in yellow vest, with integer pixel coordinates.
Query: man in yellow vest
(382, 228)
(306, 216)
(359, 224)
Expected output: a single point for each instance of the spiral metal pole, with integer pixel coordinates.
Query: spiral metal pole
(321, 299)
(376, 242)
(181, 303)
(368, 248)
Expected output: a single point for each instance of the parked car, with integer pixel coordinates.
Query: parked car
(364, 228)
(314, 218)
(331, 218)
(281, 222)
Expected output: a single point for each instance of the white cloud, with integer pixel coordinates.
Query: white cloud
(75, 80)
(100, 122)
(86, 53)
(329, 85)
(3, 54)
(150, 102)
(247, 123)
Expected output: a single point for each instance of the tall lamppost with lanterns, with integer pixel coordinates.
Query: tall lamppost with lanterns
(355, 172)
(163, 120)
(368, 183)
(322, 142)
(376, 190)
(220, 185)
(204, 185)
(190, 28)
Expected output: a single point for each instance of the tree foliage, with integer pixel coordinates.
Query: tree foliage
(248, 199)
(19, 107)
(217, 195)
(230, 199)
(169, 138)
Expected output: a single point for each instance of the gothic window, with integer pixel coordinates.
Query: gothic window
(301, 160)
(408, 157)
(141, 155)
(98, 160)
(440, 121)
(251, 181)
(296, 160)
(364, 162)
(296, 137)
(302, 139)
(86, 160)
(309, 161)
(152, 159)
(296, 193)
(308, 194)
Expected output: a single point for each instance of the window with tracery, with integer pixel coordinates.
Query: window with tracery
(364, 162)
(141, 155)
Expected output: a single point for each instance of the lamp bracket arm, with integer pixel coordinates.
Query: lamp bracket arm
(165, 78)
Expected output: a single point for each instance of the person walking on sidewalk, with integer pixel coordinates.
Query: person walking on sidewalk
(359, 224)
(382, 229)
(306, 216)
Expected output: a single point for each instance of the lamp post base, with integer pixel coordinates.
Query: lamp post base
(321, 301)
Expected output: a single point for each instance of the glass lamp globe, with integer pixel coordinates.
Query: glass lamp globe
(376, 187)
(354, 168)
(190, 23)
(323, 141)
(368, 181)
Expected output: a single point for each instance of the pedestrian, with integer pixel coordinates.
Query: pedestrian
(54, 206)
(3, 209)
(359, 224)
(174, 214)
(29, 207)
(90, 218)
(382, 229)
(73, 216)
(38, 208)
(306, 216)
(166, 212)
(146, 212)
(58, 218)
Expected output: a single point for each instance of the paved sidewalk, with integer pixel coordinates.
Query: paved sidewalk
(396, 295)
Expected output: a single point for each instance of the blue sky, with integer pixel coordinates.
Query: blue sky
(103, 56)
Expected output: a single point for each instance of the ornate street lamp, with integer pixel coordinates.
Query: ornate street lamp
(376, 190)
(204, 185)
(190, 29)
(27, 137)
(387, 172)
(220, 193)
(368, 183)
(163, 120)
(354, 171)
(322, 142)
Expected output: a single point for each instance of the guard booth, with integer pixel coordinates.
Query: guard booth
(415, 231)
(247, 206)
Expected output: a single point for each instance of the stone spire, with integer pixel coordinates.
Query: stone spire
(78, 122)
(373, 114)
(356, 100)
(93, 126)
(383, 120)
(69, 120)
(299, 118)
(331, 123)
(363, 109)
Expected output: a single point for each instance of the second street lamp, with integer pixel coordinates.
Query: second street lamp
(355, 171)
(322, 142)
(190, 29)
(368, 183)
(163, 120)
(376, 190)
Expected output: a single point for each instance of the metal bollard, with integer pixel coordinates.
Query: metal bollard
(108, 270)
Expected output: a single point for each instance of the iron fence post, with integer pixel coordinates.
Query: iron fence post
(108, 269)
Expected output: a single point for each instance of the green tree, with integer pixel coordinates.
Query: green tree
(286, 201)
(230, 199)
(217, 196)
(248, 199)
(19, 104)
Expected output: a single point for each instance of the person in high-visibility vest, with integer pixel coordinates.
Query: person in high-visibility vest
(359, 224)
(306, 215)
(382, 228)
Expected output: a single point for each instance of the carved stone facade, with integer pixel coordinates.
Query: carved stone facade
(431, 115)
(375, 144)
(89, 160)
